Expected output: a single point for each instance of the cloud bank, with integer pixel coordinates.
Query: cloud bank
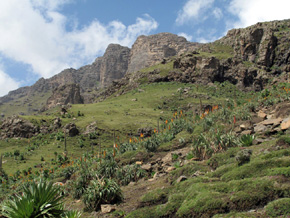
(250, 12)
(34, 32)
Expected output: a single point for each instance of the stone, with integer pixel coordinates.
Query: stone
(71, 129)
(181, 179)
(285, 124)
(246, 132)
(167, 159)
(262, 114)
(146, 167)
(107, 208)
(243, 127)
(139, 163)
(260, 128)
(56, 123)
(273, 122)
(170, 169)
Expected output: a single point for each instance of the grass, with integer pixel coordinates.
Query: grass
(163, 69)
(22, 104)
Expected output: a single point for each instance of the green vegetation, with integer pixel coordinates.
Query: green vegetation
(39, 199)
(224, 179)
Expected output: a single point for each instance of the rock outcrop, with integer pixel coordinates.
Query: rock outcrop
(66, 94)
(17, 127)
(149, 50)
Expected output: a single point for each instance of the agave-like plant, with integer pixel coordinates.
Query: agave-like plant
(247, 140)
(38, 200)
(101, 191)
(72, 214)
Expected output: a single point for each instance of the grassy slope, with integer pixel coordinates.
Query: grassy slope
(116, 113)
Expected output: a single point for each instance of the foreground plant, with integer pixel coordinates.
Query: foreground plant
(40, 199)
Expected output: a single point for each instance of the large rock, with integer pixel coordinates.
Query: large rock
(17, 127)
(149, 50)
(71, 129)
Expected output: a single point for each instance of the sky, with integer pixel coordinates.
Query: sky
(40, 38)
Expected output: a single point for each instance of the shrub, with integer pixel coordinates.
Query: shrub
(108, 168)
(243, 156)
(280, 207)
(129, 173)
(101, 191)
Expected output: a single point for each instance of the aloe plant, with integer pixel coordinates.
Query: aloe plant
(38, 200)
(247, 140)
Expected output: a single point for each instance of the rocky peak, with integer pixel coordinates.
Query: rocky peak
(149, 50)
(114, 64)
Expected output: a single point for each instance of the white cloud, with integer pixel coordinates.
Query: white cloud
(217, 12)
(7, 83)
(188, 37)
(250, 12)
(34, 32)
(192, 10)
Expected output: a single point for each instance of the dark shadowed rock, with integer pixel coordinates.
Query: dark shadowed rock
(71, 129)
(66, 94)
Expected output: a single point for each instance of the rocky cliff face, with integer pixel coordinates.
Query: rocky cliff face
(66, 94)
(114, 65)
(149, 50)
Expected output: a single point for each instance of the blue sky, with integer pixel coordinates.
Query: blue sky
(40, 38)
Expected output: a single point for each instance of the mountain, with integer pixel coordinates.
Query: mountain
(113, 65)
(249, 58)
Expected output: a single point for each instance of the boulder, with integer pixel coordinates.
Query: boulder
(71, 129)
(273, 122)
(107, 208)
(181, 179)
(260, 128)
(285, 124)
(262, 114)
(146, 167)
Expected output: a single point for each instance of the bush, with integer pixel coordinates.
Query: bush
(280, 207)
(243, 156)
(108, 168)
(101, 191)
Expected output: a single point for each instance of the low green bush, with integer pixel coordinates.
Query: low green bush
(277, 208)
